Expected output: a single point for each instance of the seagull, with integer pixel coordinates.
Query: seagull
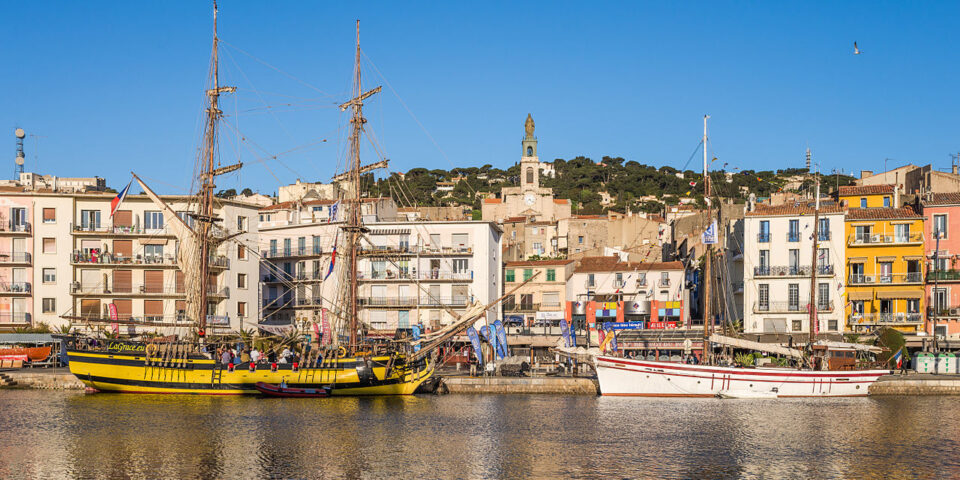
(856, 51)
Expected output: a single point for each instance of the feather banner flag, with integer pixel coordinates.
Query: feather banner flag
(333, 257)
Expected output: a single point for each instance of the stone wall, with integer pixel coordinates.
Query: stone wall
(526, 385)
(917, 385)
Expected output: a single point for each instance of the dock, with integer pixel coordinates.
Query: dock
(41, 379)
(521, 385)
(917, 384)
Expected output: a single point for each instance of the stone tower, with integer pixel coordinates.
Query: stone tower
(529, 162)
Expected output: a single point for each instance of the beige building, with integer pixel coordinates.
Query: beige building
(540, 302)
(913, 180)
(308, 191)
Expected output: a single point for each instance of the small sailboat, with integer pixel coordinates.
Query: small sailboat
(285, 391)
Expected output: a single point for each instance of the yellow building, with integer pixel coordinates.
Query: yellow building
(884, 269)
(868, 196)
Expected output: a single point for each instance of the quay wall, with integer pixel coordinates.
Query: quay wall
(524, 385)
(924, 384)
(40, 379)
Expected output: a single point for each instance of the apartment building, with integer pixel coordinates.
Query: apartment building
(885, 278)
(941, 213)
(777, 260)
(409, 272)
(606, 289)
(869, 196)
(85, 263)
(540, 302)
(16, 261)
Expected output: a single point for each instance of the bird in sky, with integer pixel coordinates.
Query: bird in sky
(856, 50)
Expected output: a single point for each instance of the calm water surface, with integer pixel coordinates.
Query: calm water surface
(70, 435)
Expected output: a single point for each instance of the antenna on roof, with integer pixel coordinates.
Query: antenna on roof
(19, 160)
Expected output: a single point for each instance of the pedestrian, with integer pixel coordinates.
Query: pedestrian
(254, 355)
(224, 356)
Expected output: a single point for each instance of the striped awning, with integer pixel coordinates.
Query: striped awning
(857, 259)
(390, 231)
(900, 294)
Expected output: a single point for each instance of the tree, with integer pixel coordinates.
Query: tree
(227, 193)
(246, 192)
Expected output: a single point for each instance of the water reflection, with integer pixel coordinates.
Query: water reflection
(56, 435)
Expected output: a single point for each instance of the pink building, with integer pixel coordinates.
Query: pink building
(16, 261)
(942, 213)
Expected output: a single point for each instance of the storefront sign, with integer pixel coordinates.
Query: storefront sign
(662, 325)
(550, 315)
(624, 325)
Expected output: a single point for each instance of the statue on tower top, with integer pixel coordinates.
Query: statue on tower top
(528, 126)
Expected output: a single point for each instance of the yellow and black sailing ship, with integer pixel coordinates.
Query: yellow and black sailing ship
(113, 365)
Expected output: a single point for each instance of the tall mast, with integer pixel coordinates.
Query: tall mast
(354, 230)
(813, 263)
(707, 258)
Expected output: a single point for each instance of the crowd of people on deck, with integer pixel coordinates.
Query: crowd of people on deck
(241, 354)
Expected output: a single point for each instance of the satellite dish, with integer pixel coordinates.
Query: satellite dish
(19, 161)
(20, 133)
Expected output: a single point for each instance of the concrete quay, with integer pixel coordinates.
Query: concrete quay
(917, 384)
(522, 385)
(41, 379)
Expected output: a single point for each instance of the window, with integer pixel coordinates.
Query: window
(241, 252)
(187, 218)
(886, 272)
(823, 260)
(794, 261)
(49, 215)
(242, 223)
(153, 253)
(49, 275)
(551, 275)
(863, 203)
(861, 234)
(823, 230)
(461, 241)
(619, 282)
(529, 169)
(793, 234)
(402, 265)
(580, 239)
(378, 269)
(509, 276)
(591, 280)
(551, 299)
(241, 309)
(901, 233)
(435, 240)
(793, 297)
(763, 296)
(18, 219)
(153, 220)
(89, 219)
(664, 278)
(856, 273)
(460, 265)
(940, 299)
(49, 245)
(302, 246)
(856, 308)
(886, 202)
(527, 273)
(764, 235)
(241, 280)
(797, 325)
(832, 325)
(823, 296)
(49, 305)
(538, 248)
(913, 305)
(317, 249)
(764, 268)
(286, 246)
(940, 226)
(273, 248)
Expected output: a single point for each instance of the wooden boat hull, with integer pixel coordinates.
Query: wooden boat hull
(271, 390)
(625, 377)
(128, 372)
(34, 354)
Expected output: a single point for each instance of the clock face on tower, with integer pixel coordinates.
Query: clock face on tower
(529, 199)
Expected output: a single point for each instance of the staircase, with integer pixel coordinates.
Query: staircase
(7, 381)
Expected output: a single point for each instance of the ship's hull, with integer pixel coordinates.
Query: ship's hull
(626, 377)
(130, 373)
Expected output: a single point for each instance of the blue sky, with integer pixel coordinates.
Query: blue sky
(109, 88)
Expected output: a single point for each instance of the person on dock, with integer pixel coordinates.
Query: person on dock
(254, 355)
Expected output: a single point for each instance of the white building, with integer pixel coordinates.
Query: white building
(407, 270)
(778, 246)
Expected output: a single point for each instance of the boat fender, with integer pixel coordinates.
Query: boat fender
(152, 349)
(341, 352)
(230, 367)
(253, 367)
(296, 366)
(273, 367)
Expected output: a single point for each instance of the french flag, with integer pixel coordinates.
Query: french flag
(115, 203)
(898, 358)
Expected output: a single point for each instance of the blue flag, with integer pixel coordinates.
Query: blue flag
(565, 332)
(501, 338)
(475, 340)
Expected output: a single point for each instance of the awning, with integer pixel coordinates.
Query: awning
(153, 241)
(857, 259)
(392, 231)
(859, 295)
(899, 294)
(886, 259)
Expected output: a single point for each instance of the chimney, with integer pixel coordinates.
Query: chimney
(865, 174)
(896, 196)
(751, 202)
(955, 169)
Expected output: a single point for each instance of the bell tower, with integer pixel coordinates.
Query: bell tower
(529, 162)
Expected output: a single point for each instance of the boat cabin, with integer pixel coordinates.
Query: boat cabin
(830, 357)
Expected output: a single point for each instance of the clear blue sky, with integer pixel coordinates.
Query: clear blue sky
(116, 87)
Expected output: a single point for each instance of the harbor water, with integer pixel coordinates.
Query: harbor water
(73, 435)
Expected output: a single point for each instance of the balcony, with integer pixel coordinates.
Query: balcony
(943, 275)
(303, 302)
(522, 308)
(790, 271)
(15, 289)
(10, 229)
(292, 252)
(14, 318)
(663, 283)
(944, 312)
(139, 290)
(391, 275)
(793, 236)
(881, 239)
(218, 320)
(779, 307)
(98, 230)
(823, 236)
(898, 318)
(886, 279)
(737, 287)
(402, 250)
(15, 258)
(763, 237)
(456, 301)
